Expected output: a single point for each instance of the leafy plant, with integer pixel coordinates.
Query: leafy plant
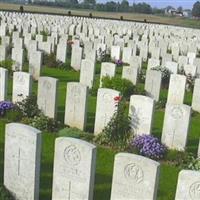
(165, 72)
(7, 64)
(149, 146)
(194, 163)
(75, 133)
(190, 82)
(44, 123)
(142, 75)
(125, 86)
(51, 61)
(5, 195)
(28, 106)
(118, 131)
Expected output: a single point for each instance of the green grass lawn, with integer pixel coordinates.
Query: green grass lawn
(105, 156)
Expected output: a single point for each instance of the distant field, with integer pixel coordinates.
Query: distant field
(127, 16)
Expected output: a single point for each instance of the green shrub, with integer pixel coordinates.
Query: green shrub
(118, 131)
(75, 133)
(142, 75)
(28, 107)
(45, 123)
(125, 86)
(14, 115)
(165, 72)
(194, 163)
(4, 194)
(50, 61)
(7, 64)
(178, 158)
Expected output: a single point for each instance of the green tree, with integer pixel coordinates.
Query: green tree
(124, 6)
(90, 2)
(196, 9)
(180, 9)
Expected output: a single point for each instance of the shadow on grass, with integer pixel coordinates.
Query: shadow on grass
(102, 187)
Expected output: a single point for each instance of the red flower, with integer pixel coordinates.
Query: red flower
(118, 98)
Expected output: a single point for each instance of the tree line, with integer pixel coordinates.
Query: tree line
(109, 6)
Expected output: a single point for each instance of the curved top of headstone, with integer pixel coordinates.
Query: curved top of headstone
(107, 90)
(76, 84)
(75, 141)
(22, 73)
(50, 79)
(142, 98)
(138, 158)
(22, 127)
(108, 64)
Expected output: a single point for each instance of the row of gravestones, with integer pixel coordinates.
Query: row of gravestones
(134, 176)
(155, 49)
(141, 108)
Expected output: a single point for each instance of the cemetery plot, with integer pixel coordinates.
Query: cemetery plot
(124, 95)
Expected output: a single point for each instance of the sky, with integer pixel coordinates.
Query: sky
(162, 3)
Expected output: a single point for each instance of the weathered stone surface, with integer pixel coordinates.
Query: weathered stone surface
(76, 105)
(134, 177)
(74, 169)
(188, 185)
(22, 161)
(141, 109)
(176, 126)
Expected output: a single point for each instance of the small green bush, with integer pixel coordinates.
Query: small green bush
(165, 72)
(75, 133)
(13, 115)
(4, 194)
(45, 123)
(28, 107)
(125, 86)
(50, 61)
(118, 131)
(8, 65)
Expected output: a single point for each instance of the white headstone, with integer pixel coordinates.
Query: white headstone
(106, 106)
(153, 84)
(135, 177)
(22, 86)
(87, 72)
(22, 161)
(188, 185)
(76, 57)
(196, 96)
(172, 67)
(76, 105)
(61, 53)
(74, 169)
(176, 125)
(115, 52)
(141, 110)
(176, 92)
(3, 83)
(35, 63)
(130, 73)
(47, 96)
(152, 63)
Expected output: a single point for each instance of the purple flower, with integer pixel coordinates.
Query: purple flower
(4, 106)
(149, 146)
(118, 62)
